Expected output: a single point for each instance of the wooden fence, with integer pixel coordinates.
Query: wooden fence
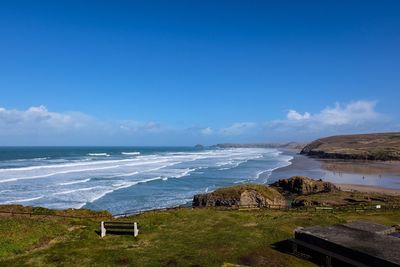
(348, 208)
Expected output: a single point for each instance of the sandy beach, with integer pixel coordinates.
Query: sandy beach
(369, 189)
(365, 176)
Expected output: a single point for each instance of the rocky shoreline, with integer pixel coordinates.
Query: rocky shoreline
(297, 191)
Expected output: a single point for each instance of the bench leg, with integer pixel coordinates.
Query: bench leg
(135, 230)
(102, 229)
(328, 261)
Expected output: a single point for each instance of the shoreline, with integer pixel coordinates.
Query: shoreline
(368, 189)
(350, 174)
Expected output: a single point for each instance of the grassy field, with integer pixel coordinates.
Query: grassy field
(184, 237)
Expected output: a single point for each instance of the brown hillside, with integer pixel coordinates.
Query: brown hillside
(379, 146)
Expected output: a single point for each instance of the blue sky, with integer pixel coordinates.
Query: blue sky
(187, 72)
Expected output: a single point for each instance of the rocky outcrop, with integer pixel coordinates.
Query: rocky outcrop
(242, 195)
(379, 146)
(302, 185)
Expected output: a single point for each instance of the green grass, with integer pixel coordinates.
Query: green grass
(185, 237)
(237, 190)
(345, 198)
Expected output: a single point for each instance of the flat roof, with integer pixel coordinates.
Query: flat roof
(356, 237)
(371, 227)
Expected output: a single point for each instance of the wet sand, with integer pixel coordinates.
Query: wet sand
(369, 189)
(359, 175)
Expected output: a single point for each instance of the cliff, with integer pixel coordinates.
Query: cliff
(241, 195)
(379, 146)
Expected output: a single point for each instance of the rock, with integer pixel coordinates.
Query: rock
(198, 146)
(302, 185)
(242, 195)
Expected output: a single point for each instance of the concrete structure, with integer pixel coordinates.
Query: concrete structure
(358, 243)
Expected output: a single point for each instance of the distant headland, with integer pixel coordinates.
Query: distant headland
(376, 146)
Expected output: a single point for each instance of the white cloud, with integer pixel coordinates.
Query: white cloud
(42, 122)
(39, 125)
(35, 118)
(207, 131)
(358, 112)
(294, 115)
(238, 128)
(135, 126)
(357, 116)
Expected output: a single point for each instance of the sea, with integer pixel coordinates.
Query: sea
(127, 179)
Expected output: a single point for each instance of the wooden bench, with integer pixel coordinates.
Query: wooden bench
(119, 227)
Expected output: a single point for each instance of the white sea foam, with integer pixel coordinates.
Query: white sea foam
(22, 200)
(56, 173)
(75, 182)
(130, 153)
(118, 186)
(285, 162)
(186, 172)
(99, 154)
(132, 183)
(37, 159)
(67, 165)
(75, 190)
(125, 174)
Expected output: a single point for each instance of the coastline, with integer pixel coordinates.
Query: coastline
(364, 176)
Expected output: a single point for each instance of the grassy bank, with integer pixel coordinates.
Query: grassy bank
(185, 237)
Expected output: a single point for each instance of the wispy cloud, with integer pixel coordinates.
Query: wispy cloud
(238, 128)
(207, 131)
(356, 116)
(39, 124)
(38, 120)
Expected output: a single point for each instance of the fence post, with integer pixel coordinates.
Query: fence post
(103, 229)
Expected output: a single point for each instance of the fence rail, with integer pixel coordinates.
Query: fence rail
(30, 214)
(348, 208)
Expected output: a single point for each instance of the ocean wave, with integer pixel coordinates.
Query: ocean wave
(22, 200)
(186, 172)
(67, 165)
(124, 174)
(86, 182)
(132, 183)
(130, 153)
(56, 173)
(37, 159)
(117, 187)
(75, 182)
(5, 191)
(99, 154)
(286, 162)
(75, 190)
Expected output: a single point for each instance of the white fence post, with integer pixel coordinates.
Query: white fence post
(135, 230)
(103, 229)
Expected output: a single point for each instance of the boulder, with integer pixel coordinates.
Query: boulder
(241, 195)
(302, 185)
